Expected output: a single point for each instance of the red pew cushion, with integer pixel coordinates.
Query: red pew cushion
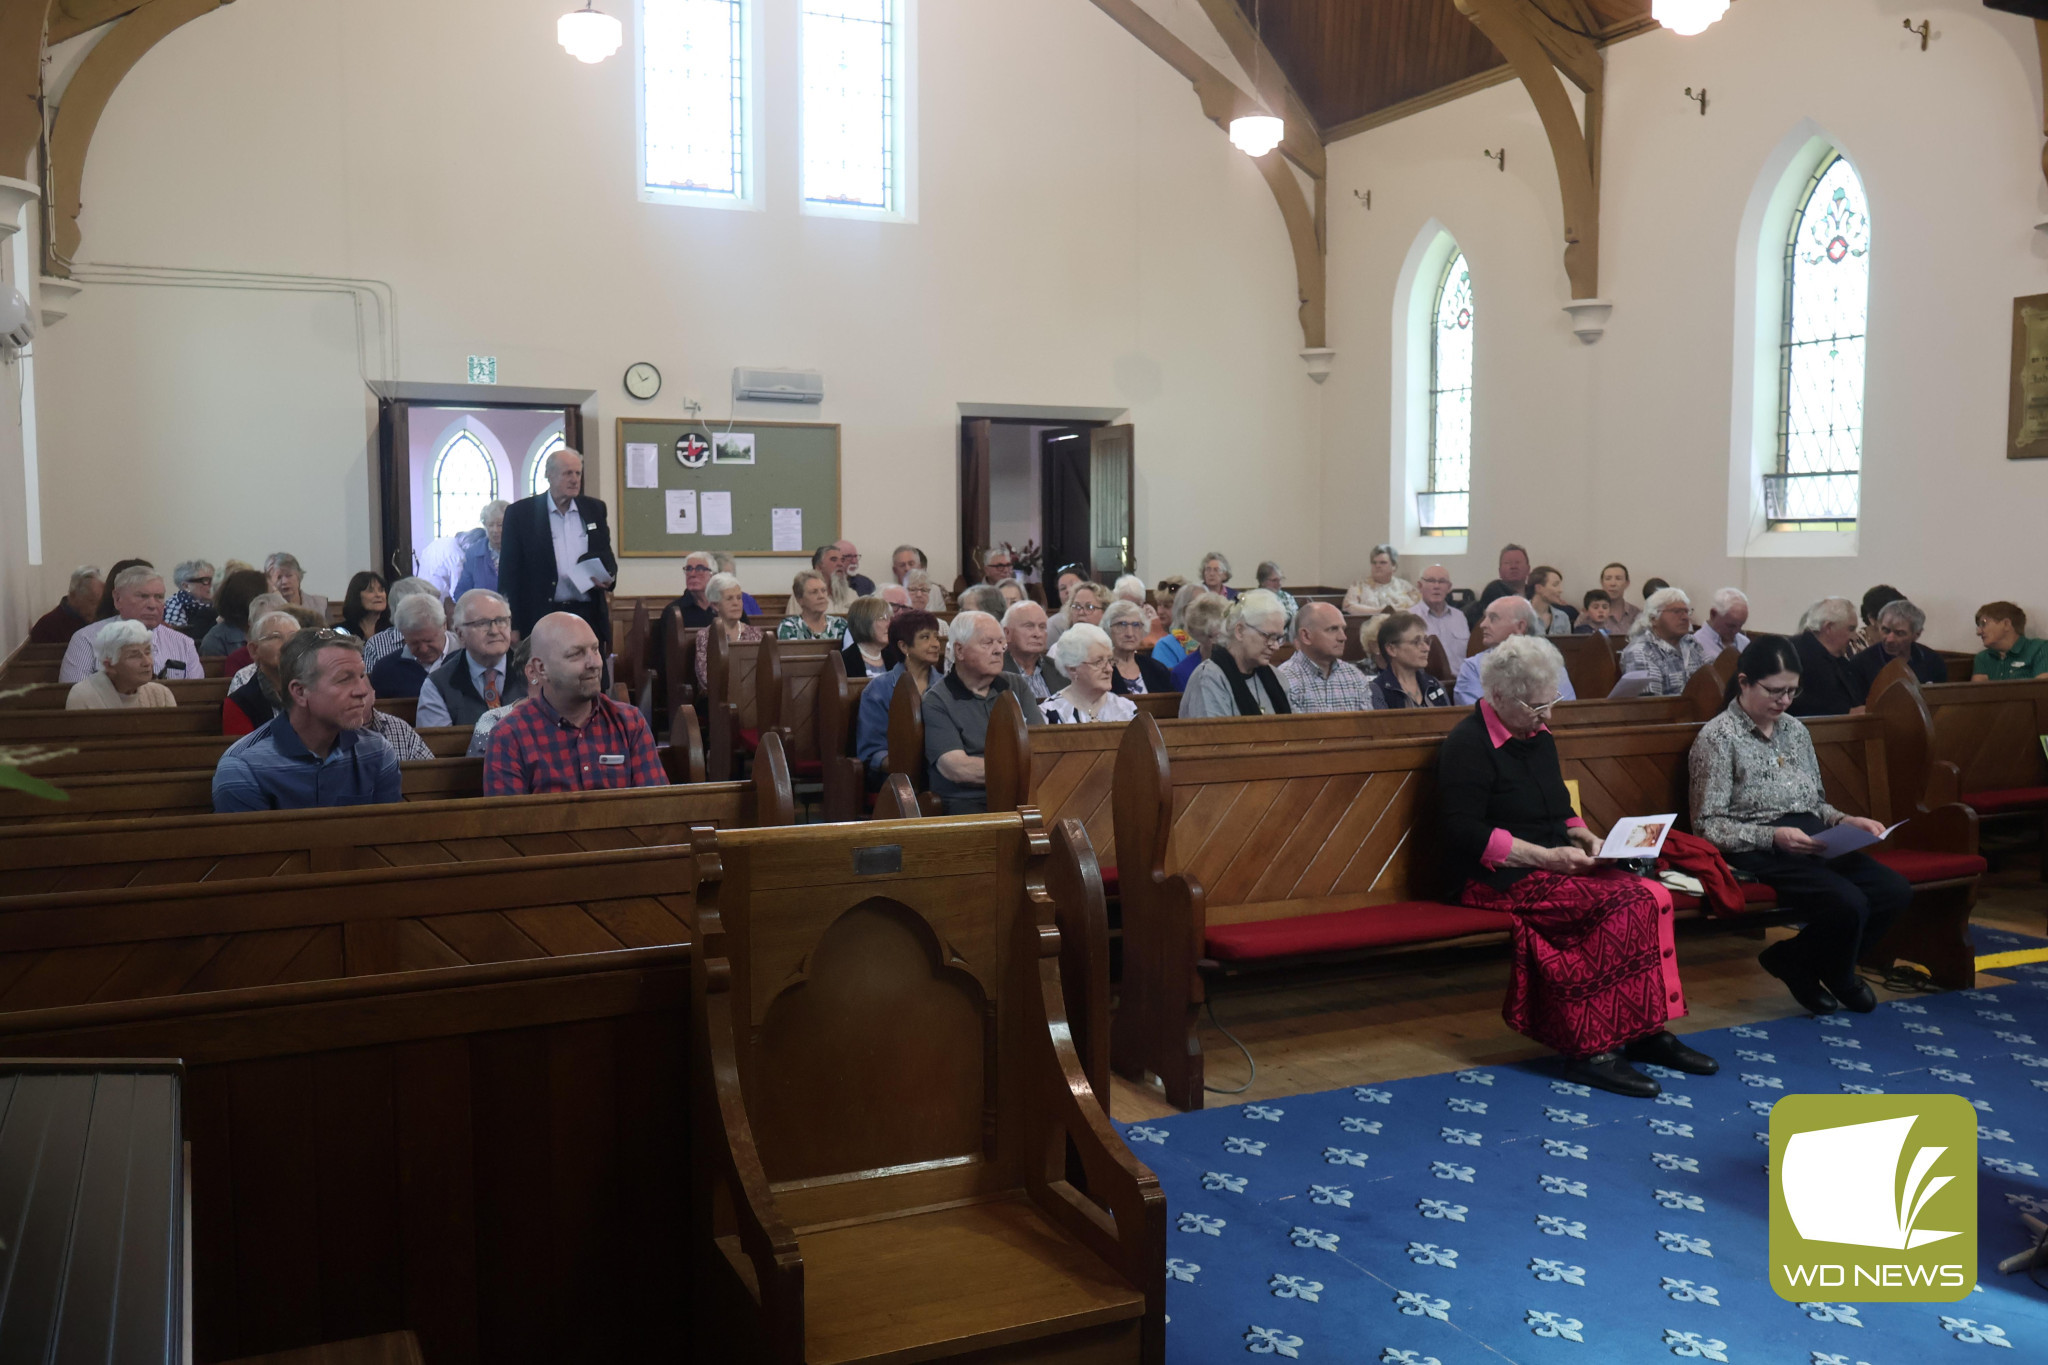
(2006, 800)
(1753, 893)
(807, 770)
(750, 740)
(1109, 881)
(1917, 865)
(1371, 926)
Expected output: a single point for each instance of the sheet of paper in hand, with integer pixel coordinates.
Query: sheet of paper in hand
(1637, 836)
(1847, 839)
(1630, 684)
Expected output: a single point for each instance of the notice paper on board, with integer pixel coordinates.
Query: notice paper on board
(786, 530)
(682, 511)
(717, 514)
(643, 458)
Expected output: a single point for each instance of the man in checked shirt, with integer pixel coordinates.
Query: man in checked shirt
(567, 736)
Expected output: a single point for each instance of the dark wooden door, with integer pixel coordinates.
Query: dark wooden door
(1112, 500)
(974, 478)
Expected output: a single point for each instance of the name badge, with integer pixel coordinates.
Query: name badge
(614, 760)
(590, 526)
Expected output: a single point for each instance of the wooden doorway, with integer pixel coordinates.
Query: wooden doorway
(1066, 487)
(509, 440)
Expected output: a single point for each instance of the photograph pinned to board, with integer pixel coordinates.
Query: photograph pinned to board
(734, 447)
(642, 464)
(717, 513)
(786, 530)
(682, 511)
(1637, 836)
(692, 451)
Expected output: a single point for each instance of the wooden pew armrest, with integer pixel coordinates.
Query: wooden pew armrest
(1948, 828)
(685, 736)
(1944, 783)
(726, 1145)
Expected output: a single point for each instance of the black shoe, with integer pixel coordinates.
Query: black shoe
(1664, 1049)
(1855, 994)
(1798, 978)
(1608, 1071)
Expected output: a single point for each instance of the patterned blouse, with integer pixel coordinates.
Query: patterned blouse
(1670, 666)
(793, 628)
(1059, 709)
(1370, 598)
(1742, 782)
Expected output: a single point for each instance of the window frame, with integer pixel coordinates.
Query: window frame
(750, 197)
(1781, 463)
(462, 434)
(902, 207)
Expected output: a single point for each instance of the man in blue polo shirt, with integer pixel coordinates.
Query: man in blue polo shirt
(316, 752)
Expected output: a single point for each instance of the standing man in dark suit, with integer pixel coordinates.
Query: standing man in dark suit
(546, 537)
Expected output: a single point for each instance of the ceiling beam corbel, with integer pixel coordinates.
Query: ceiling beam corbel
(1538, 49)
(1222, 101)
(85, 99)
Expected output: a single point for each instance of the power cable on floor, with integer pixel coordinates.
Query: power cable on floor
(1217, 1024)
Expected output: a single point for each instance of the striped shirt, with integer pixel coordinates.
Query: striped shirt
(1343, 688)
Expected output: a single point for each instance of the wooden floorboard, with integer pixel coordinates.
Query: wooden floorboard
(1312, 1034)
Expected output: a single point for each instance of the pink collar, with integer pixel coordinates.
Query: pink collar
(1496, 728)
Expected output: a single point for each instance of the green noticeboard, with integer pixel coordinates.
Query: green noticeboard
(755, 488)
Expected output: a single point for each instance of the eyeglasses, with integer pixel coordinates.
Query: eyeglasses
(490, 624)
(1780, 693)
(1271, 637)
(696, 568)
(205, 582)
(1540, 710)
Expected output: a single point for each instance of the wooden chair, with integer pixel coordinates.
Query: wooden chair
(931, 1180)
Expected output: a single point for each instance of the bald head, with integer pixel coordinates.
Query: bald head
(1319, 632)
(571, 664)
(1507, 616)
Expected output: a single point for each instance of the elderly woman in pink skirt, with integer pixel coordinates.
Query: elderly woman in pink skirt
(1594, 973)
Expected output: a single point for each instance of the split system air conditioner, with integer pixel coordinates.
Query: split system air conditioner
(778, 386)
(17, 322)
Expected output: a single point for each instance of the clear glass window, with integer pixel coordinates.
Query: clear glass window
(537, 477)
(695, 99)
(465, 478)
(852, 104)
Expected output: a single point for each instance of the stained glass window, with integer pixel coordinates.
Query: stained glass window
(1445, 507)
(695, 97)
(1820, 383)
(465, 478)
(537, 477)
(851, 104)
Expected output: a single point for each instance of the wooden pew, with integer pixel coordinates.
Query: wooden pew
(896, 1183)
(1989, 733)
(495, 1157)
(734, 718)
(198, 718)
(104, 854)
(787, 679)
(836, 723)
(1590, 662)
(101, 796)
(49, 696)
(678, 669)
(171, 753)
(1282, 852)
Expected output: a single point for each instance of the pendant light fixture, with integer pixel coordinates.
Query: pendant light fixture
(589, 35)
(1687, 17)
(1257, 133)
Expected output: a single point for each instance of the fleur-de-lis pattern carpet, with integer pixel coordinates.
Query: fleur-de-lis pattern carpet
(1504, 1215)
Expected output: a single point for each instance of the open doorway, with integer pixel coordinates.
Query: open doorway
(1065, 489)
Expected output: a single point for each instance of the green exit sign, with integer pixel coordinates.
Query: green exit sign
(483, 369)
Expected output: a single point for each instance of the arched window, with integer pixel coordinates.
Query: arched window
(465, 478)
(537, 474)
(1444, 506)
(1821, 348)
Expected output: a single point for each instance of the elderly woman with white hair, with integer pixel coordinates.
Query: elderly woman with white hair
(1215, 576)
(124, 669)
(1661, 644)
(287, 580)
(1381, 590)
(1088, 658)
(481, 552)
(1827, 685)
(728, 600)
(1132, 669)
(1593, 974)
(1237, 678)
(1274, 581)
(1898, 628)
(190, 608)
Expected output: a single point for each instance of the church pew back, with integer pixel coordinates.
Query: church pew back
(787, 678)
(1992, 732)
(49, 696)
(101, 796)
(197, 717)
(171, 753)
(838, 699)
(495, 1157)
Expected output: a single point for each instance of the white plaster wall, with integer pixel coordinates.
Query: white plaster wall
(1620, 450)
(1084, 239)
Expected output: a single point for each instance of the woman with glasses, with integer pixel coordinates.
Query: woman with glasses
(1406, 679)
(1237, 678)
(1086, 656)
(1757, 795)
(1593, 974)
(191, 608)
(1132, 669)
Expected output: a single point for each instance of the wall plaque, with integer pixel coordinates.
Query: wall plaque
(2026, 428)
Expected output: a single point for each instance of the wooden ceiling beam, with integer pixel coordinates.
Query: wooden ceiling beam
(1302, 140)
(1513, 26)
(69, 18)
(21, 70)
(1221, 101)
(85, 99)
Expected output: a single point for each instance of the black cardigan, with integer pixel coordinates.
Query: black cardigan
(1518, 787)
(1827, 685)
(1158, 677)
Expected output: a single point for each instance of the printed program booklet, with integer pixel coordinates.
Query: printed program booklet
(1637, 836)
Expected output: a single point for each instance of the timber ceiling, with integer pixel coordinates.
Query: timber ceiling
(1349, 59)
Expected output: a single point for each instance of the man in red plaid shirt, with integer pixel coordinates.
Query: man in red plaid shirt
(567, 736)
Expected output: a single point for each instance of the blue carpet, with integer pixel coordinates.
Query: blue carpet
(1504, 1215)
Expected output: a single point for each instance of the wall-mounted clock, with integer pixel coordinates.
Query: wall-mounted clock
(643, 381)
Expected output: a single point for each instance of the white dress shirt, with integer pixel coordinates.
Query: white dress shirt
(167, 646)
(441, 563)
(1710, 642)
(572, 546)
